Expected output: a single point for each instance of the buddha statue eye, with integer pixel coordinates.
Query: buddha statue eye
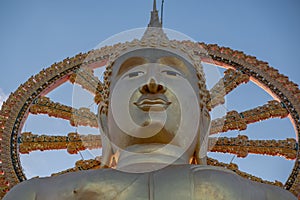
(172, 73)
(135, 74)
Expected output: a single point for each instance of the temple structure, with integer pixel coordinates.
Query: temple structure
(154, 119)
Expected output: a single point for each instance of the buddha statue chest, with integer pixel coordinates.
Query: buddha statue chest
(190, 182)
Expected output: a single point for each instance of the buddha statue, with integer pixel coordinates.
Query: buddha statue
(154, 122)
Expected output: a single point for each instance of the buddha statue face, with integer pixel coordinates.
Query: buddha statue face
(154, 100)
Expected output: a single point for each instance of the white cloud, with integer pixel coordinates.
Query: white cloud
(3, 97)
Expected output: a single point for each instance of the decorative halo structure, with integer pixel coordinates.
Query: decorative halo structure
(31, 98)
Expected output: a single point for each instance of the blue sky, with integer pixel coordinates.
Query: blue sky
(36, 33)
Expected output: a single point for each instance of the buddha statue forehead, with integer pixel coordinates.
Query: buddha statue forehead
(152, 57)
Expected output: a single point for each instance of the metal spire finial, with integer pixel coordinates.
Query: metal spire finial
(154, 30)
(155, 22)
(154, 5)
(162, 11)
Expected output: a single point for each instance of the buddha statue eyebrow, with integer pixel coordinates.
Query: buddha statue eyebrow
(130, 63)
(171, 61)
(174, 62)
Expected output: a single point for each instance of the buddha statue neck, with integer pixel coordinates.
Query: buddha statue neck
(150, 157)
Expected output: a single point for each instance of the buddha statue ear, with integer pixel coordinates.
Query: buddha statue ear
(202, 144)
(107, 152)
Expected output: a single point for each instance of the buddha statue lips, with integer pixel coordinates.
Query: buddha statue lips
(153, 102)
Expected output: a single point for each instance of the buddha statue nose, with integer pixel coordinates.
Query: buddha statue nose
(152, 87)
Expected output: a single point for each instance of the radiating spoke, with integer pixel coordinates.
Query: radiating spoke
(228, 83)
(234, 167)
(232, 121)
(241, 146)
(272, 109)
(77, 117)
(73, 142)
(86, 79)
(82, 165)
(238, 121)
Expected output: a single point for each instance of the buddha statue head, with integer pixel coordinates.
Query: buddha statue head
(154, 109)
